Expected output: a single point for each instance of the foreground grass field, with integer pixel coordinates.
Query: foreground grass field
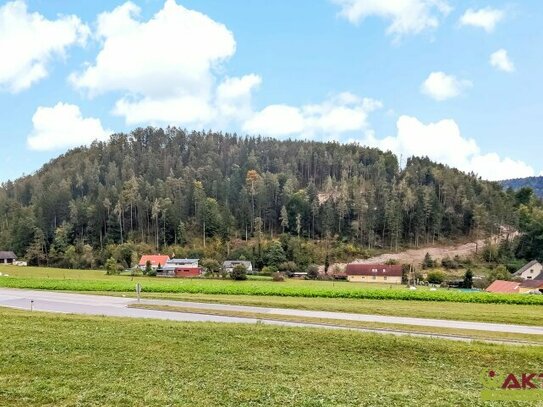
(65, 360)
(35, 278)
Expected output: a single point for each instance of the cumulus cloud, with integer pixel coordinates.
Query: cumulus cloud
(500, 60)
(441, 86)
(166, 67)
(443, 142)
(485, 18)
(62, 126)
(405, 16)
(29, 41)
(339, 114)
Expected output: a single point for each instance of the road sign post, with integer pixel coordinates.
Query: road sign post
(138, 290)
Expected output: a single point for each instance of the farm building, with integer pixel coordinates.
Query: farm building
(229, 265)
(504, 287)
(7, 257)
(374, 273)
(530, 271)
(180, 268)
(531, 286)
(157, 260)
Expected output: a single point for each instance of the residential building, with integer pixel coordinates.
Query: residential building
(374, 273)
(156, 260)
(530, 271)
(229, 265)
(7, 257)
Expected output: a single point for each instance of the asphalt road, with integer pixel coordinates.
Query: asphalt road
(72, 303)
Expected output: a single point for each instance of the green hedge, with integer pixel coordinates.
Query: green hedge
(269, 289)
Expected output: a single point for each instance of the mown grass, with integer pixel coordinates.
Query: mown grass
(500, 313)
(513, 338)
(65, 360)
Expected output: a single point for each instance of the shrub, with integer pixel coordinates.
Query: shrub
(278, 276)
(312, 272)
(268, 270)
(148, 268)
(239, 272)
(428, 262)
(499, 273)
(211, 266)
(111, 266)
(288, 267)
(435, 277)
(468, 279)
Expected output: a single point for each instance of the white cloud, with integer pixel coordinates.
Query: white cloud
(166, 67)
(500, 60)
(485, 18)
(340, 114)
(28, 43)
(62, 126)
(405, 16)
(443, 142)
(441, 86)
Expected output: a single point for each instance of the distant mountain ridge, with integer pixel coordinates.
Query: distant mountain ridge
(536, 183)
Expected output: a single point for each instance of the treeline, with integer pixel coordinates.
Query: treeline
(169, 187)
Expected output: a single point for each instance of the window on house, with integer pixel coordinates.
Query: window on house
(373, 277)
(385, 278)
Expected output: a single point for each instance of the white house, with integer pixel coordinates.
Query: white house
(530, 271)
(229, 265)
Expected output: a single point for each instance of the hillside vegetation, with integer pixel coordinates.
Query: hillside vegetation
(535, 183)
(220, 195)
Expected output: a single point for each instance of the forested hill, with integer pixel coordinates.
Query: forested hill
(536, 183)
(167, 187)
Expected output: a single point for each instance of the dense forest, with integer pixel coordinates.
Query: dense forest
(535, 183)
(163, 189)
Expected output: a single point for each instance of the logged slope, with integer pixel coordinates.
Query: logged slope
(169, 187)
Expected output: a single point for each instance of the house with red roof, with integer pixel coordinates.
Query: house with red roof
(156, 260)
(504, 287)
(374, 273)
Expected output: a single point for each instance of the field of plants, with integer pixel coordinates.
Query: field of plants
(50, 279)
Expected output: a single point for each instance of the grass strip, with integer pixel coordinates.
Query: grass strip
(385, 327)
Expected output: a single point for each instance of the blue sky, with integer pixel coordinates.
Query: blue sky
(457, 81)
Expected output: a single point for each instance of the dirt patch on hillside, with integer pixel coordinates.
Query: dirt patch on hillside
(416, 256)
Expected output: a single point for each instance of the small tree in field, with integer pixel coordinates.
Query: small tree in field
(148, 268)
(428, 262)
(468, 279)
(111, 266)
(239, 272)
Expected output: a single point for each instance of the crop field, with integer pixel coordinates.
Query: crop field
(43, 278)
(65, 360)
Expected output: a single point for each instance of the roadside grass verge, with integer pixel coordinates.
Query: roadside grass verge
(471, 334)
(499, 313)
(65, 360)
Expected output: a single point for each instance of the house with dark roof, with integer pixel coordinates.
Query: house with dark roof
(7, 257)
(374, 273)
(530, 271)
(531, 286)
